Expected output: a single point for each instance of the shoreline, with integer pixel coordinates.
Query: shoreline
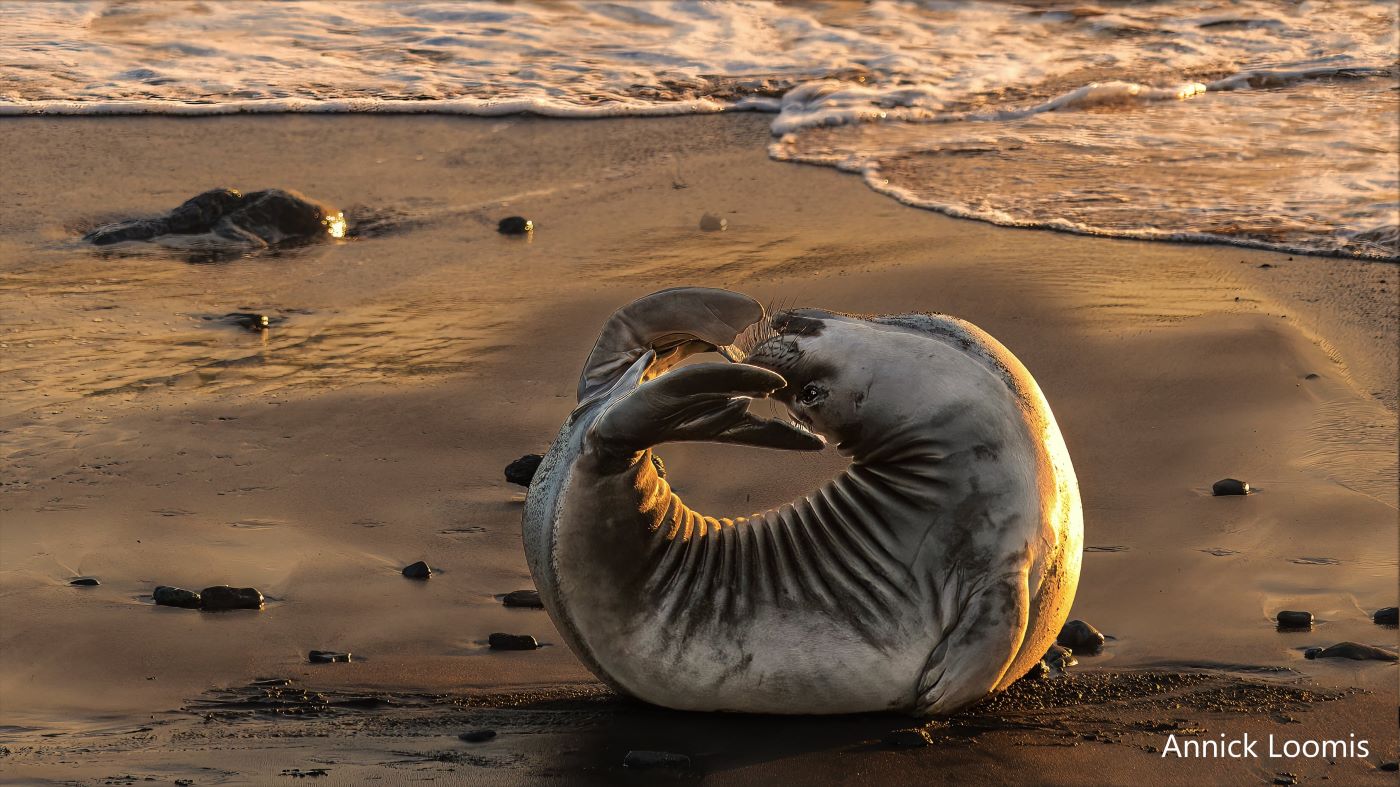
(370, 431)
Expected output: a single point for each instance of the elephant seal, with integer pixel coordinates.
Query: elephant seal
(937, 568)
(228, 219)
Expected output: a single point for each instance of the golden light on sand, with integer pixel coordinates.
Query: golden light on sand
(335, 224)
(1190, 90)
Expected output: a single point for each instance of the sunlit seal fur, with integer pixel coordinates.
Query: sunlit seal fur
(936, 569)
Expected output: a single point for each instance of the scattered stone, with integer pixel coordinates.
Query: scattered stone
(909, 738)
(1311, 376)
(515, 225)
(298, 773)
(167, 596)
(1080, 637)
(1285, 778)
(712, 223)
(659, 465)
(529, 599)
(1351, 650)
(1059, 658)
(222, 597)
(522, 470)
(1294, 620)
(500, 641)
(328, 657)
(1390, 766)
(419, 570)
(1039, 671)
(1390, 616)
(84, 582)
(250, 321)
(1229, 486)
(655, 759)
(1266, 265)
(477, 736)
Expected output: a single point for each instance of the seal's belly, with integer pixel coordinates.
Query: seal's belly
(801, 661)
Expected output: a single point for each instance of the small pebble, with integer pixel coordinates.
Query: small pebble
(222, 597)
(1059, 658)
(84, 582)
(1080, 637)
(909, 738)
(712, 223)
(1229, 486)
(529, 599)
(1285, 778)
(250, 321)
(477, 736)
(500, 641)
(419, 570)
(1390, 766)
(655, 759)
(328, 657)
(515, 225)
(522, 470)
(167, 596)
(1311, 376)
(1292, 619)
(1390, 616)
(1350, 650)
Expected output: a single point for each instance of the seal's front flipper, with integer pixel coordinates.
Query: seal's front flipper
(675, 324)
(707, 402)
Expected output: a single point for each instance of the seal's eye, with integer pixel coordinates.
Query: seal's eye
(811, 394)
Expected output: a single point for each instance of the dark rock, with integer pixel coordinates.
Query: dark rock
(1059, 658)
(909, 738)
(167, 596)
(655, 759)
(1080, 637)
(260, 218)
(522, 470)
(1038, 671)
(251, 321)
(1229, 486)
(529, 599)
(1390, 616)
(222, 597)
(84, 582)
(712, 223)
(477, 736)
(1266, 265)
(515, 225)
(1351, 650)
(419, 570)
(1390, 766)
(328, 657)
(500, 641)
(1285, 778)
(1311, 376)
(659, 465)
(1291, 619)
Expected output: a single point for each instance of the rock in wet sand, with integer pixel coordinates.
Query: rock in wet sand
(1351, 650)
(419, 570)
(654, 759)
(1294, 620)
(84, 582)
(1059, 658)
(522, 470)
(257, 219)
(477, 736)
(529, 599)
(515, 225)
(1390, 616)
(167, 596)
(1229, 486)
(712, 223)
(328, 657)
(222, 597)
(500, 641)
(1080, 637)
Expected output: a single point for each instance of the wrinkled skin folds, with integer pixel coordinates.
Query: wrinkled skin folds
(936, 569)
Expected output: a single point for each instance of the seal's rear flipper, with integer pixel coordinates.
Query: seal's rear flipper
(703, 402)
(675, 324)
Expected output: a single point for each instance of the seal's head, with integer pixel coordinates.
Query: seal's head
(872, 385)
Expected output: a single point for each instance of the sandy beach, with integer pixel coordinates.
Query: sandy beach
(146, 442)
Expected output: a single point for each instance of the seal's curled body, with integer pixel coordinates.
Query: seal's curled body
(936, 569)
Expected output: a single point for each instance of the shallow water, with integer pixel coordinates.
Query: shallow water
(1262, 124)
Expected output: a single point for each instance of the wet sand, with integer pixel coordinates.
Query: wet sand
(144, 445)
